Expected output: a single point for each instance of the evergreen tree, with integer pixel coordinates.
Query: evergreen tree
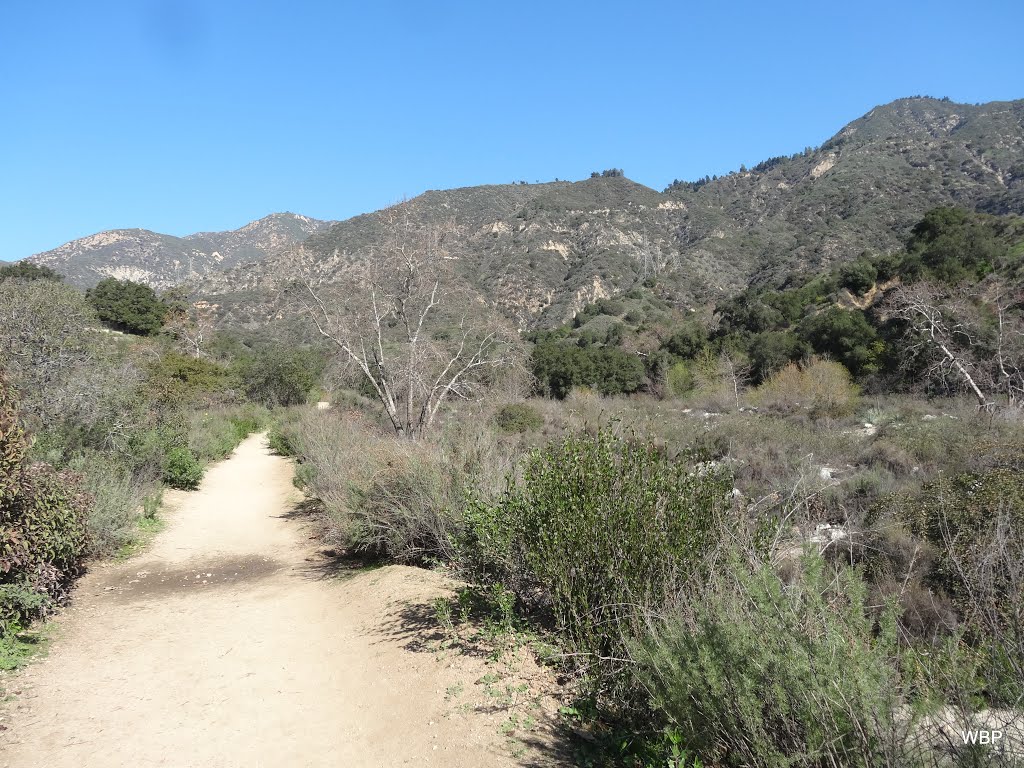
(128, 306)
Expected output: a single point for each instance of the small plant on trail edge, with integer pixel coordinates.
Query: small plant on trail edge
(518, 417)
(280, 442)
(443, 614)
(504, 601)
(610, 744)
(182, 470)
(151, 505)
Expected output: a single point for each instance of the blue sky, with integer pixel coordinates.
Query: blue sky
(190, 115)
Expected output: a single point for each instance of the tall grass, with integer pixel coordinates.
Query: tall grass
(382, 496)
(117, 500)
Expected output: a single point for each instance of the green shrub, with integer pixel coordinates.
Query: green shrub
(558, 367)
(116, 498)
(280, 442)
(595, 525)
(771, 351)
(687, 340)
(284, 435)
(42, 518)
(755, 672)
(858, 276)
(612, 307)
(518, 418)
(680, 380)
(182, 469)
(180, 381)
(129, 306)
(26, 270)
(951, 245)
(279, 375)
(821, 388)
(213, 435)
(845, 336)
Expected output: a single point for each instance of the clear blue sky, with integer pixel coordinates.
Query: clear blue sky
(188, 115)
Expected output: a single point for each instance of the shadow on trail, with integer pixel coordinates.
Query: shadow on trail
(328, 562)
(417, 628)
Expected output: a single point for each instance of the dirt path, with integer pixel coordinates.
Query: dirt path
(229, 644)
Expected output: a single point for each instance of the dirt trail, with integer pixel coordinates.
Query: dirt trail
(229, 644)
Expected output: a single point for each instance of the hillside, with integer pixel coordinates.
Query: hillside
(164, 260)
(861, 190)
(540, 252)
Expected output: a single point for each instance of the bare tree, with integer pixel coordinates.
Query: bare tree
(649, 259)
(737, 373)
(416, 339)
(1009, 345)
(939, 326)
(192, 325)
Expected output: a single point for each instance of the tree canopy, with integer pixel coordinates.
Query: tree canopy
(25, 270)
(128, 306)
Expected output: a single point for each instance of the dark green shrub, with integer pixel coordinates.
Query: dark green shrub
(178, 381)
(279, 375)
(182, 469)
(846, 336)
(128, 306)
(951, 245)
(616, 372)
(858, 276)
(25, 270)
(518, 418)
(687, 340)
(559, 367)
(597, 528)
(772, 351)
(612, 307)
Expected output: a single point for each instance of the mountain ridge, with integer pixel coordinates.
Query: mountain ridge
(162, 261)
(540, 252)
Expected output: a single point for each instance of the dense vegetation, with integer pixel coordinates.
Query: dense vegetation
(970, 262)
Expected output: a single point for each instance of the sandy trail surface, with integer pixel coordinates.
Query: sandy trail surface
(231, 643)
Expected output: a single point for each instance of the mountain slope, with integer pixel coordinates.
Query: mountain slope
(861, 190)
(540, 252)
(530, 250)
(164, 260)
